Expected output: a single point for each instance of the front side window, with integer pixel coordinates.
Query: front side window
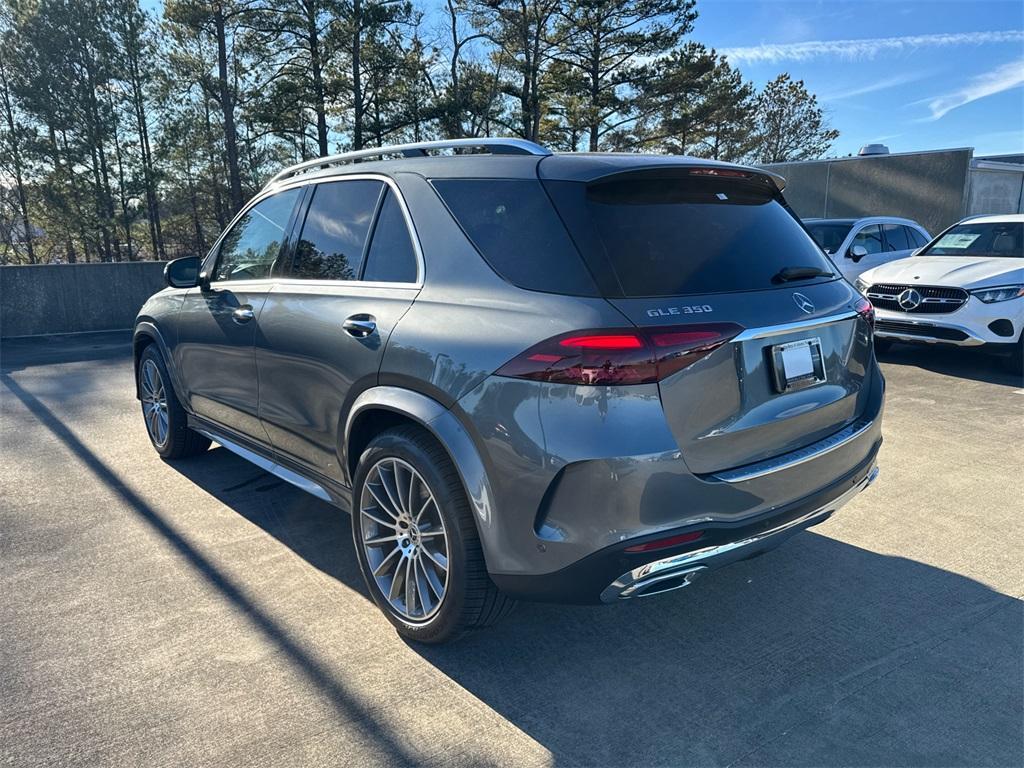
(391, 258)
(335, 231)
(1002, 239)
(249, 250)
(870, 238)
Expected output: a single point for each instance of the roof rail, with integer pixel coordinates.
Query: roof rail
(498, 146)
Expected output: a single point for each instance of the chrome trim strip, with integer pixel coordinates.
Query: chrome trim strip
(970, 341)
(795, 458)
(888, 315)
(799, 325)
(629, 583)
(268, 466)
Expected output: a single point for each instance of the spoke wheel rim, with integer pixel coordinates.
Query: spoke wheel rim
(154, 403)
(404, 539)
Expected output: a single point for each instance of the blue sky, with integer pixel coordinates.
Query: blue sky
(911, 75)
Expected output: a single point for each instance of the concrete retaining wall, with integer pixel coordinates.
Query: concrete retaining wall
(71, 298)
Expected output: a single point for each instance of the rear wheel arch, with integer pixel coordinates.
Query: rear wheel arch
(380, 408)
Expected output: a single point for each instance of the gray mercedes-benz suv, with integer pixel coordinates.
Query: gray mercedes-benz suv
(571, 377)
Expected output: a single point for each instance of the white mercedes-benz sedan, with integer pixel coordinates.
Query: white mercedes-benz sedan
(966, 287)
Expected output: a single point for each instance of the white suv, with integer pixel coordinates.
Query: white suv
(966, 288)
(857, 245)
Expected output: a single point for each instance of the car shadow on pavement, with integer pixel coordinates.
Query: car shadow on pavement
(817, 653)
(325, 680)
(962, 362)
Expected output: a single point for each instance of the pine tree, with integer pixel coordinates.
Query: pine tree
(790, 124)
(605, 42)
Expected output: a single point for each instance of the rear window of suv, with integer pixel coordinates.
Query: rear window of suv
(673, 234)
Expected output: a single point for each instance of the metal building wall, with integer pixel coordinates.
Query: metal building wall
(996, 188)
(928, 187)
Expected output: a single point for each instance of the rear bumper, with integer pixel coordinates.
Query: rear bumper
(679, 570)
(577, 474)
(613, 573)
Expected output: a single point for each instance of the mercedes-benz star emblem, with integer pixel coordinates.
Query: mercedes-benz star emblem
(803, 302)
(909, 299)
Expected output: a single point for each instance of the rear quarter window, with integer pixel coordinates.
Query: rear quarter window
(671, 235)
(513, 225)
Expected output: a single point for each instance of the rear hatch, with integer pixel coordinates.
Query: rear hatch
(691, 246)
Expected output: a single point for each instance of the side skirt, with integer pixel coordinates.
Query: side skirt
(322, 488)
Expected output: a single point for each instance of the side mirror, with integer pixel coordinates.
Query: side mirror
(857, 252)
(183, 272)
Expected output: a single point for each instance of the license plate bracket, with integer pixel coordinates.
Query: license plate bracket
(797, 365)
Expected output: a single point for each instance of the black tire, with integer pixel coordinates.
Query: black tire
(470, 600)
(1014, 362)
(882, 345)
(180, 441)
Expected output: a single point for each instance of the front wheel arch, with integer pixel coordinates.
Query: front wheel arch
(146, 334)
(140, 341)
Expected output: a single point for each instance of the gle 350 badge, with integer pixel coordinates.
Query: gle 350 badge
(689, 309)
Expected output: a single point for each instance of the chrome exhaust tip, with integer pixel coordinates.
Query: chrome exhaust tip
(663, 582)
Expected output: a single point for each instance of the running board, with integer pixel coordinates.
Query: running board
(294, 478)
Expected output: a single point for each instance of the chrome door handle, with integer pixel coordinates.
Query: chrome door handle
(360, 326)
(243, 314)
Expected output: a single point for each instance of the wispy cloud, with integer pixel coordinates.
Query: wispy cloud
(866, 48)
(1009, 75)
(877, 85)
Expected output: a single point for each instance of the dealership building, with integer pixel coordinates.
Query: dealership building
(935, 188)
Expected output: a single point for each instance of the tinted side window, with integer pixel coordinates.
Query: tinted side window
(391, 258)
(335, 230)
(514, 227)
(249, 250)
(870, 237)
(896, 237)
(917, 238)
(829, 236)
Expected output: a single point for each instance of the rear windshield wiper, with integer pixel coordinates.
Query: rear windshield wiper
(788, 274)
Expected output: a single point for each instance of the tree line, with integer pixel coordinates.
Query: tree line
(129, 135)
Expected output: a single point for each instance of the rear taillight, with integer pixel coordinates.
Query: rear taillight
(619, 356)
(866, 310)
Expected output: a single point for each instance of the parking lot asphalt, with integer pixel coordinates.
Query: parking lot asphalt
(202, 612)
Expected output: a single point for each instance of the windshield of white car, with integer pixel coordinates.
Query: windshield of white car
(977, 239)
(829, 236)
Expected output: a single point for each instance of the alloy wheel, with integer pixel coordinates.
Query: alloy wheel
(404, 539)
(154, 403)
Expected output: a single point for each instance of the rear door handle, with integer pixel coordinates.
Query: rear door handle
(243, 314)
(360, 326)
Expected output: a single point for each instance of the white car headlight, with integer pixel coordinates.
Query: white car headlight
(999, 293)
